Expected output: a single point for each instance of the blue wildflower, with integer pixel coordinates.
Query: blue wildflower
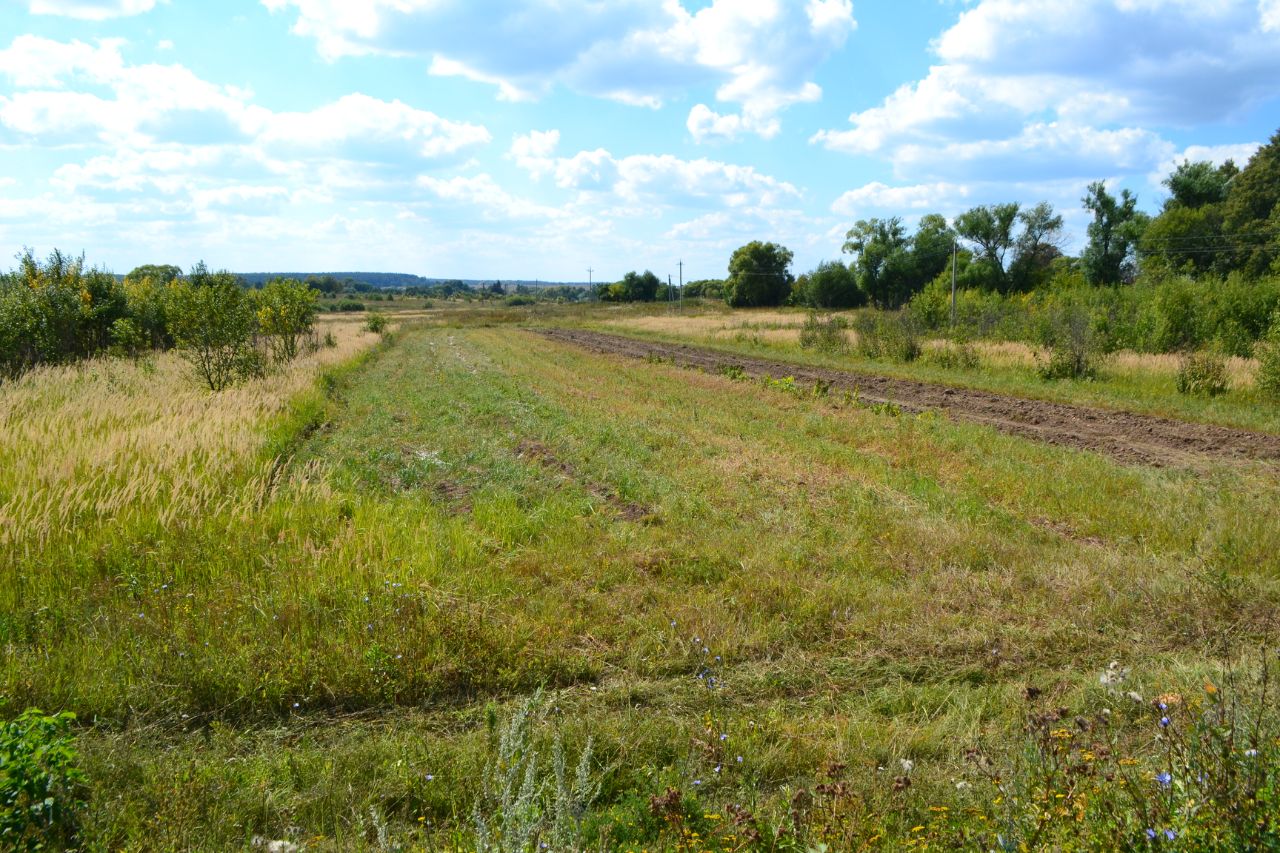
(1151, 833)
(1164, 779)
(1164, 722)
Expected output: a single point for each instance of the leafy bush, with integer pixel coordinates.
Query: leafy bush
(1073, 348)
(40, 783)
(1268, 352)
(127, 339)
(825, 334)
(887, 336)
(376, 323)
(286, 315)
(1202, 373)
(211, 317)
(515, 301)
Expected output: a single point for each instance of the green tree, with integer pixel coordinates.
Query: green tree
(212, 320)
(990, 229)
(286, 314)
(830, 285)
(882, 260)
(1186, 239)
(1197, 184)
(1114, 234)
(759, 275)
(638, 287)
(931, 248)
(1252, 212)
(162, 273)
(1036, 247)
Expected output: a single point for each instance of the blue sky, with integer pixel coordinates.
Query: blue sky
(478, 138)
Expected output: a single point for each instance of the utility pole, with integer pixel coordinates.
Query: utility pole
(953, 281)
(591, 289)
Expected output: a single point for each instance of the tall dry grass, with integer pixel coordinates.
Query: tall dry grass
(107, 440)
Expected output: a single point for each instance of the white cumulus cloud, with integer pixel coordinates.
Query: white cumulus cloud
(760, 55)
(90, 10)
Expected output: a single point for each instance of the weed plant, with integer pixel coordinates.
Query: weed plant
(1202, 373)
(824, 334)
(891, 337)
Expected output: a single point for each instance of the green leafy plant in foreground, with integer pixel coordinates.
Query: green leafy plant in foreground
(40, 782)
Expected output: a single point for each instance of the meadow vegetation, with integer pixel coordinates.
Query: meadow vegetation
(312, 608)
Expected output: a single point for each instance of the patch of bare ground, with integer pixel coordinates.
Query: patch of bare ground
(1128, 437)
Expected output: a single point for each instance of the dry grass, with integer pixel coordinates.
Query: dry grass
(92, 442)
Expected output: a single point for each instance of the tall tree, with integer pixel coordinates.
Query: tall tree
(1113, 235)
(1036, 247)
(1253, 212)
(931, 247)
(990, 229)
(882, 259)
(1197, 184)
(759, 275)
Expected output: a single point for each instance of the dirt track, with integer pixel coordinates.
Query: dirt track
(1128, 437)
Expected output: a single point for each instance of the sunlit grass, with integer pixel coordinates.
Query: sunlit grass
(480, 512)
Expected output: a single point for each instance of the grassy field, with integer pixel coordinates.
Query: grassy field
(1138, 382)
(304, 609)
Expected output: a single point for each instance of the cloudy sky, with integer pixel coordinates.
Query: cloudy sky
(492, 138)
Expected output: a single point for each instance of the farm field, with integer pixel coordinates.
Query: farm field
(306, 608)
(1130, 381)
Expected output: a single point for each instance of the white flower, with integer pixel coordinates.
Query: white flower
(907, 766)
(1135, 696)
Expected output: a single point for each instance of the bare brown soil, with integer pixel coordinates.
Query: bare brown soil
(1126, 436)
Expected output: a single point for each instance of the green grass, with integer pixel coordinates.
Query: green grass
(484, 512)
(1140, 391)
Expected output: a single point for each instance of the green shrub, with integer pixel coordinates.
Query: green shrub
(286, 315)
(894, 337)
(376, 323)
(1268, 352)
(211, 317)
(824, 334)
(1202, 374)
(127, 339)
(1073, 348)
(40, 783)
(515, 301)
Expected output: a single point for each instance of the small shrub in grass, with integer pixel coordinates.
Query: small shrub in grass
(376, 323)
(40, 783)
(1202, 374)
(895, 337)
(1268, 352)
(1073, 348)
(824, 334)
(524, 803)
(954, 356)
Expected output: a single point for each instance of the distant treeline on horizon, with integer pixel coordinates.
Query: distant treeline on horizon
(390, 280)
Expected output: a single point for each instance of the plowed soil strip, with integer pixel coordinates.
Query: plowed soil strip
(1128, 437)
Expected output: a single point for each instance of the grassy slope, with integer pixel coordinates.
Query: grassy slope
(487, 512)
